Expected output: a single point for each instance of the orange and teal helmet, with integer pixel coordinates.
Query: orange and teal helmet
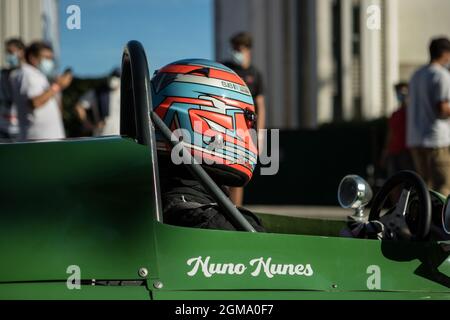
(214, 107)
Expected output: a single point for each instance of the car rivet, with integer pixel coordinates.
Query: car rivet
(143, 272)
(158, 284)
(334, 286)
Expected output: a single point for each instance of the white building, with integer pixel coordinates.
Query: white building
(30, 20)
(330, 60)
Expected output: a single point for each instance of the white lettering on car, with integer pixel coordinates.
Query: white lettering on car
(259, 266)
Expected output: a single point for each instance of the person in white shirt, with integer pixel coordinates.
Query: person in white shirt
(428, 118)
(36, 99)
(104, 104)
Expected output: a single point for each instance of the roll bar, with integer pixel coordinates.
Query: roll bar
(135, 107)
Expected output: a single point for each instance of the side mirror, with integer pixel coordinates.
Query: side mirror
(354, 193)
(446, 216)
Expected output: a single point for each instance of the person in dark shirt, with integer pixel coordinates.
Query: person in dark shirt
(241, 45)
(9, 122)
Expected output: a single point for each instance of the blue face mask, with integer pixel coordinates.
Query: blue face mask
(47, 67)
(237, 57)
(401, 97)
(12, 60)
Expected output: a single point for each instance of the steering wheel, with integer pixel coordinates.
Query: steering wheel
(410, 218)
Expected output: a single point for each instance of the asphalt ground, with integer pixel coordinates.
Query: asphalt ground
(331, 213)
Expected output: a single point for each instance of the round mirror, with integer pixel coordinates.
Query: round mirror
(354, 192)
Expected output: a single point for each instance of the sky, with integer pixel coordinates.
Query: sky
(168, 29)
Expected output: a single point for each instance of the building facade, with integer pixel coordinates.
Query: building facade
(332, 60)
(30, 20)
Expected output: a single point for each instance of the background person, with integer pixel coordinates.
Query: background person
(241, 45)
(397, 156)
(104, 104)
(15, 57)
(428, 125)
(37, 99)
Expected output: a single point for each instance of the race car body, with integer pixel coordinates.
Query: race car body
(81, 219)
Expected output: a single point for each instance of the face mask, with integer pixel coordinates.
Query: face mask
(47, 66)
(12, 60)
(238, 57)
(447, 64)
(401, 97)
(114, 83)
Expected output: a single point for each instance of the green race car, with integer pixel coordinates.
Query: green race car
(81, 219)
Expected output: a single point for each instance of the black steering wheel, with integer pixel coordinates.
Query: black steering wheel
(410, 218)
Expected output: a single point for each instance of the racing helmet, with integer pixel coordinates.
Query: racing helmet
(214, 108)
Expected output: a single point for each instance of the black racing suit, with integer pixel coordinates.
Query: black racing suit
(186, 203)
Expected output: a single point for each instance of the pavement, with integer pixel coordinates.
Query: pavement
(331, 213)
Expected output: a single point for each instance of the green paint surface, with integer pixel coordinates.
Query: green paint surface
(92, 203)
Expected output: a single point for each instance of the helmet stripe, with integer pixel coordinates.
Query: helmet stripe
(193, 90)
(213, 73)
(218, 83)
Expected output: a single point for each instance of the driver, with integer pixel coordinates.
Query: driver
(211, 109)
